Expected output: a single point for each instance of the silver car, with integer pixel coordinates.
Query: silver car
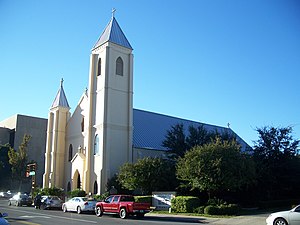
(48, 202)
(79, 205)
(290, 217)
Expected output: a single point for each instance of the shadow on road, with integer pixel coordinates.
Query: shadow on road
(177, 219)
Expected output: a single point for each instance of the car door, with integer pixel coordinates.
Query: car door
(107, 204)
(115, 204)
(71, 204)
(294, 216)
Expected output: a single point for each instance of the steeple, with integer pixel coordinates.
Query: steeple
(60, 99)
(113, 33)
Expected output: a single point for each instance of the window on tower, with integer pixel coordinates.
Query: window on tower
(96, 145)
(99, 67)
(95, 187)
(82, 124)
(70, 152)
(119, 66)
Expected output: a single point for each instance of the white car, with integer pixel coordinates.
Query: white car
(291, 217)
(79, 205)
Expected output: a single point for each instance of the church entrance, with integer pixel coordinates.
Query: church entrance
(76, 180)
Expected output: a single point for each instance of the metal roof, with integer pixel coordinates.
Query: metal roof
(60, 99)
(113, 33)
(150, 129)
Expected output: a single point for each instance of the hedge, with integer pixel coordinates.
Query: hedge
(76, 193)
(184, 204)
(231, 209)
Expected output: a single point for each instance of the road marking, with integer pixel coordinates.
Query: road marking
(30, 223)
(47, 217)
(60, 217)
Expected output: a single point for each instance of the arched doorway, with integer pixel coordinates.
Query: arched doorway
(76, 180)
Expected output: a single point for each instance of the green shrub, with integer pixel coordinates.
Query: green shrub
(211, 210)
(199, 210)
(231, 209)
(216, 201)
(49, 191)
(146, 199)
(184, 204)
(76, 193)
(102, 197)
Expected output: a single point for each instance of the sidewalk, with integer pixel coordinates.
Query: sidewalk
(237, 220)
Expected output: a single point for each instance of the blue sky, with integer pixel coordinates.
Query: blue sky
(213, 61)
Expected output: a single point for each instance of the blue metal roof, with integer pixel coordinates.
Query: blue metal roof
(150, 129)
(113, 33)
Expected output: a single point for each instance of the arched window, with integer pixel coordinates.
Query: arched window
(95, 187)
(99, 67)
(119, 66)
(82, 124)
(96, 145)
(70, 152)
(69, 187)
(78, 182)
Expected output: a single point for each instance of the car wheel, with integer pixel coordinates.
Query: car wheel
(280, 221)
(65, 209)
(9, 203)
(123, 213)
(17, 204)
(98, 211)
(78, 210)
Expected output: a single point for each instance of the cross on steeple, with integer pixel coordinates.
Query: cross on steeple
(113, 12)
(61, 82)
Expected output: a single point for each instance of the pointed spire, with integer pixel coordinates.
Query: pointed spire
(113, 33)
(60, 99)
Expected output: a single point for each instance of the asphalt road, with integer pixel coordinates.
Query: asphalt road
(29, 215)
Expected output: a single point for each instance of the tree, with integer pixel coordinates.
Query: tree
(216, 167)
(148, 174)
(278, 169)
(178, 141)
(198, 136)
(175, 141)
(18, 160)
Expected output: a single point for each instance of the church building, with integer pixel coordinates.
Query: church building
(85, 149)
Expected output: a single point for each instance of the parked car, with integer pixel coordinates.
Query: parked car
(79, 205)
(290, 217)
(123, 205)
(3, 221)
(20, 199)
(5, 194)
(48, 202)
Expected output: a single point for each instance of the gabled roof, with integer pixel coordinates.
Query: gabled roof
(113, 33)
(60, 99)
(150, 129)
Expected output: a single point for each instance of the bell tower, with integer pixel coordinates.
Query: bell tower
(58, 117)
(110, 126)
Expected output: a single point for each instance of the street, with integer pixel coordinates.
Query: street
(29, 215)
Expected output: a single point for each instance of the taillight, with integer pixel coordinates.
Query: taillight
(86, 203)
